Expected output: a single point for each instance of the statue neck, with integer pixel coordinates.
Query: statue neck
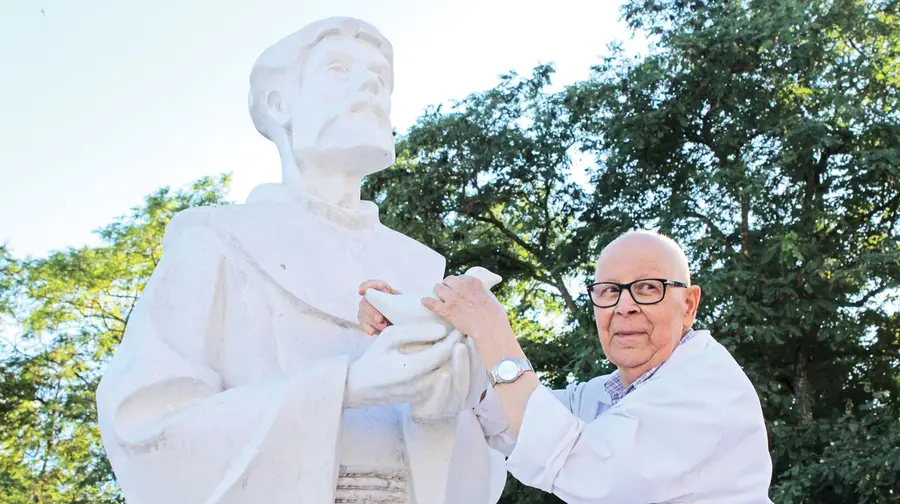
(324, 183)
(332, 195)
(364, 216)
(333, 187)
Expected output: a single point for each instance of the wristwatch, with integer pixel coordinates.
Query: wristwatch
(509, 370)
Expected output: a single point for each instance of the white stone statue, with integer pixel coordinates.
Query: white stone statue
(243, 375)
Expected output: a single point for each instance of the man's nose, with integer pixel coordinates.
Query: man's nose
(626, 305)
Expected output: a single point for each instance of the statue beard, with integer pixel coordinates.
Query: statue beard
(358, 142)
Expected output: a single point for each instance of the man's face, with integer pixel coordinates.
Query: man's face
(341, 111)
(639, 337)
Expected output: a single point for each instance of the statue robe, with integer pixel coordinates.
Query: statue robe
(229, 384)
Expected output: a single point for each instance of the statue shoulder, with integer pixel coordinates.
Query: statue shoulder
(182, 223)
(397, 244)
(206, 221)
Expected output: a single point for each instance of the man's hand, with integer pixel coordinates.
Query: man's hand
(472, 309)
(385, 374)
(469, 306)
(371, 320)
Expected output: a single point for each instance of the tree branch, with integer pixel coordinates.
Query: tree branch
(560, 285)
(856, 223)
(493, 220)
(864, 55)
(869, 295)
(714, 229)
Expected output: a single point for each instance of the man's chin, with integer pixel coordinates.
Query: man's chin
(630, 357)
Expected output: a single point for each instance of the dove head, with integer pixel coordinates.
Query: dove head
(488, 278)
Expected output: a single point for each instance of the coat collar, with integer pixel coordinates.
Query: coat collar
(683, 353)
(617, 390)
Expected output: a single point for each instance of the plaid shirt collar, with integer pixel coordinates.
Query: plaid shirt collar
(617, 390)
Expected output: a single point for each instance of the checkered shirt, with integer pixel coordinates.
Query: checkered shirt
(617, 390)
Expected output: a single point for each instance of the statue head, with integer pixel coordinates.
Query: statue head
(323, 96)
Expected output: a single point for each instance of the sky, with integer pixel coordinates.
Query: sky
(104, 102)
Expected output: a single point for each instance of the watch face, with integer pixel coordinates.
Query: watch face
(507, 370)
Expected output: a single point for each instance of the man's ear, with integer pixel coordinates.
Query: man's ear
(276, 108)
(691, 303)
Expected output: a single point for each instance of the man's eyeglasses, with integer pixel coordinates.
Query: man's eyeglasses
(646, 291)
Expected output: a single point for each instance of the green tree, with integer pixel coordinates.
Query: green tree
(66, 313)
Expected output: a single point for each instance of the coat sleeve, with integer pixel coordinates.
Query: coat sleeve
(495, 426)
(175, 433)
(635, 454)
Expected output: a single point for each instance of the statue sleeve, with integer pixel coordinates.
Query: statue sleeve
(175, 433)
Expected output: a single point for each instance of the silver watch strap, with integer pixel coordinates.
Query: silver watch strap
(524, 367)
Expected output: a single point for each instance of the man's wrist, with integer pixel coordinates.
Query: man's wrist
(498, 345)
(509, 370)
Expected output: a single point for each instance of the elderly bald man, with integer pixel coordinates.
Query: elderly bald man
(678, 421)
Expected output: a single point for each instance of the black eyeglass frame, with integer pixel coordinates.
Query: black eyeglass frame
(627, 286)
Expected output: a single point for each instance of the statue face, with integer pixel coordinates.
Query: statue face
(341, 109)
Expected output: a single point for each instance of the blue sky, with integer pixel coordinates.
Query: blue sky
(103, 102)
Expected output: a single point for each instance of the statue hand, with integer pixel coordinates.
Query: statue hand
(388, 373)
(463, 389)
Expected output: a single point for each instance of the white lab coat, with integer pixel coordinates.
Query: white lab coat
(694, 432)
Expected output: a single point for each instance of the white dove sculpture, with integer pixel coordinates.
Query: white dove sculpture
(407, 308)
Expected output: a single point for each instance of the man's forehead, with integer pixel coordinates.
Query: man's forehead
(640, 256)
(623, 269)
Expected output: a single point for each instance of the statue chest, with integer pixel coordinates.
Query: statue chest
(268, 333)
